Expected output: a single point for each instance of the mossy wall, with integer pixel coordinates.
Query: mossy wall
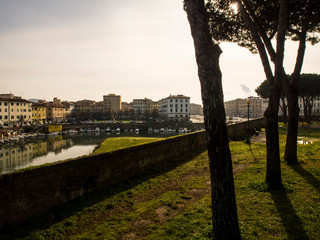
(33, 191)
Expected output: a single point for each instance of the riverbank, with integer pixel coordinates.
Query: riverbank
(174, 202)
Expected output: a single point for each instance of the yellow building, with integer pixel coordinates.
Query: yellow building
(14, 110)
(112, 103)
(39, 112)
(55, 113)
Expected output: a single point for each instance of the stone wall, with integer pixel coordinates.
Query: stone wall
(29, 192)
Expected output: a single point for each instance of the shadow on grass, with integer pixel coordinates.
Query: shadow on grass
(58, 213)
(289, 217)
(307, 176)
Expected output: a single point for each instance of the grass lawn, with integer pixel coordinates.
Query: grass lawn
(174, 202)
(111, 144)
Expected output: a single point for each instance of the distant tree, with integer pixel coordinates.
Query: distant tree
(147, 114)
(309, 90)
(224, 210)
(263, 89)
(155, 113)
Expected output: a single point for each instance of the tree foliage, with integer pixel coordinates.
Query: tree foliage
(263, 27)
(226, 24)
(309, 91)
(263, 89)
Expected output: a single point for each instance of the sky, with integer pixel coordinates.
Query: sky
(84, 49)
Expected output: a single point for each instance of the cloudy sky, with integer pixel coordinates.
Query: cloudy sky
(84, 49)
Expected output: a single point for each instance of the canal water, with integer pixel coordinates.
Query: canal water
(38, 151)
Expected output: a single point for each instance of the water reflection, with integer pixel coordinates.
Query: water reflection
(47, 150)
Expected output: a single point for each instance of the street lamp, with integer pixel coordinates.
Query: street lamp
(248, 129)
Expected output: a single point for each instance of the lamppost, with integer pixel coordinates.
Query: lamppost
(248, 129)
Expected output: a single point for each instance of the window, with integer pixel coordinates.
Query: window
(0, 116)
(181, 110)
(181, 105)
(12, 117)
(176, 100)
(5, 117)
(186, 105)
(17, 110)
(6, 110)
(11, 109)
(170, 110)
(186, 110)
(17, 104)
(6, 104)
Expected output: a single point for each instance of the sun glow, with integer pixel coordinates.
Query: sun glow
(234, 7)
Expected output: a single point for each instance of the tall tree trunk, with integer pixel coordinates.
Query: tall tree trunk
(224, 210)
(290, 154)
(273, 173)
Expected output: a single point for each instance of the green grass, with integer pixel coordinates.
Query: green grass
(111, 144)
(174, 202)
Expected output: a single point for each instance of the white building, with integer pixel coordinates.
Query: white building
(14, 110)
(315, 107)
(175, 108)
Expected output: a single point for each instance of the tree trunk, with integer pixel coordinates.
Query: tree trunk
(290, 155)
(224, 210)
(284, 109)
(273, 174)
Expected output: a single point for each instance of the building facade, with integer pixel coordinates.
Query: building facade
(258, 106)
(235, 108)
(175, 108)
(112, 103)
(126, 106)
(196, 109)
(239, 107)
(142, 106)
(55, 113)
(315, 111)
(39, 112)
(87, 108)
(14, 110)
